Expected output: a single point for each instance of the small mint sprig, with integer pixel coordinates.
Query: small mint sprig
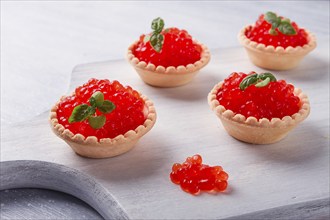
(259, 80)
(283, 25)
(82, 112)
(156, 39)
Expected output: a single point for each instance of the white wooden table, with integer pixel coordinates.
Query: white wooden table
(286, 179)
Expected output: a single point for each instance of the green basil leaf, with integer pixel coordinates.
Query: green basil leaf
(97, 99)
(107, 107)
(272, 18)
(248, 80)
(263, 83)
(81, 112)
(156, 42)
(263, 76)
(97, 122)
(286, 20)
(272, 31)
(286, 28)
(153, 39)
(157, 25)
(156, 39)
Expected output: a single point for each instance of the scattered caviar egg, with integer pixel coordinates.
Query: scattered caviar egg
(193, 176)
(274, 100)
(262, 33)
(128, 114)
(178, 49)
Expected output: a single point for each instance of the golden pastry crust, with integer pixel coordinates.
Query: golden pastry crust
(275, 58)
(105, 147)
(171, 76)
(252, 130)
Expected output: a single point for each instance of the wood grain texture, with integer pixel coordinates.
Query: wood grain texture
(43, 204)
(292, 171)
(45, 175)
(316, 209)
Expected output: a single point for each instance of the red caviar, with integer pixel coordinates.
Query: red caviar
(130, 111)
(274, 100)
(178, 49)
(193, 176)
(260, 34)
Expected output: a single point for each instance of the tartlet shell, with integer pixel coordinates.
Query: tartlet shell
(252, 130)
(106, 147)
(278, 58)
(171, 76)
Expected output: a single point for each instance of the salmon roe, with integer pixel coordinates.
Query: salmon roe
(178, 49)
(193, 176)
(129, 113)
(274, 100)
(260, 34)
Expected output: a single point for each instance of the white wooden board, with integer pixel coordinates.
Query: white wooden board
(43, 204)
(292, 171)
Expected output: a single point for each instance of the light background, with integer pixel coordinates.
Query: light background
(42, 41)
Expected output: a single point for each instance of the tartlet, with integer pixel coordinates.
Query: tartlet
(167, 71)
(102, 147)
(270, 56)
(258, 130)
